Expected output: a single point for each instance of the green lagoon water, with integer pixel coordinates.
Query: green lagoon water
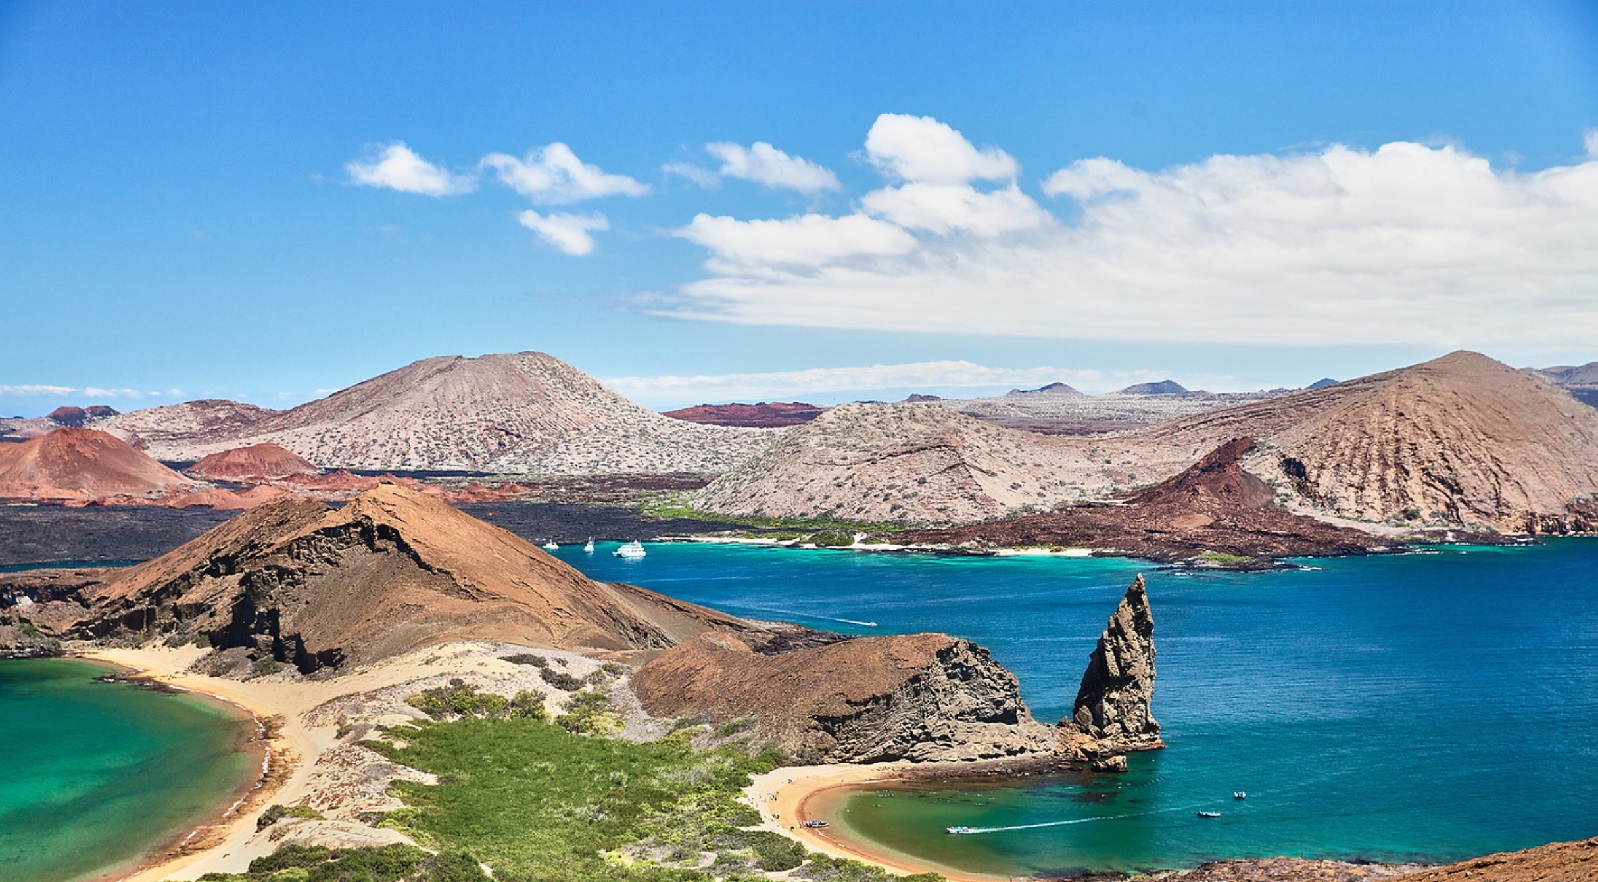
(93, 775)
(1429, 706)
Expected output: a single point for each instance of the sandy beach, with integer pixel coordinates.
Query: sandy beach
(313, 759)
(220, 843)
(788, 797)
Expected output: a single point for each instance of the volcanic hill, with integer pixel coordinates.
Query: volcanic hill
(901, 462)
(393, 570)
(1212, 511)
(526, 412)
(175, 428)
(1460, 440)
(258, 462)
(79, 465)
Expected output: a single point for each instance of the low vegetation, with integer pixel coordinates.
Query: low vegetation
(543, 802)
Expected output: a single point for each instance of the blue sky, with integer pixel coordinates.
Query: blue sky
(951, 197)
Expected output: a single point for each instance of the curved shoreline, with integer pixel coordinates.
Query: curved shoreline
(787, 797)
(201, 849)
(204, 834)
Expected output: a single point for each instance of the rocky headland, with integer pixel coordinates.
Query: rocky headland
(1212, 514)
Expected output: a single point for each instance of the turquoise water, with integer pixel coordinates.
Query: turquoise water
(93, 775)
(1427, 706)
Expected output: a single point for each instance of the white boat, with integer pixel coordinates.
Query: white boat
(590, 546)
(632, 550)
(551, 545)
(1239, 794)
(961, 829)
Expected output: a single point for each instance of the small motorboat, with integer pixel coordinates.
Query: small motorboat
(961, 829)
(1238, 794)
(815, 823)
(1209, 814)
(551, 545)
(590, 546)
(632, 550)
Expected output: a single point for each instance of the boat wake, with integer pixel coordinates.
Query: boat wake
(1037, 826)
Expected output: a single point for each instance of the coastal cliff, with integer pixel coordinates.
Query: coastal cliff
(920, 697)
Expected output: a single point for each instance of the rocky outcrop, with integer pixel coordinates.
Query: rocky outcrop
(256, 463)
(299, 583)
(915, 697)
(1163, 387)
(762, 415)
(1112, 705)
(81, 465)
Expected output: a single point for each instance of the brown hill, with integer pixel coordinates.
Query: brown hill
(526, 412)
(1212, 511)
(72, 464)
(762, 415)
(393, 570)
(258, 462)
(1461, 439)
(870, 699)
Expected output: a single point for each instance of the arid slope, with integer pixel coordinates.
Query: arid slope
(75, 465)
(525, 412)
(1461, 439)
(300, 583)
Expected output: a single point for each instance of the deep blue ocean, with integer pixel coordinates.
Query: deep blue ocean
(1429, 706)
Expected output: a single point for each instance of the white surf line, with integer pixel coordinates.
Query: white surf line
(801, 615)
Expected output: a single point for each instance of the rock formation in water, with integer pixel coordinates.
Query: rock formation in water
(300, 583)
(870, 699)
(1112, 705)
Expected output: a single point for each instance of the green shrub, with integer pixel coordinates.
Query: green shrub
(588, 713)
(525, 658)
(275, 812)
(733, 727)
(266, 666)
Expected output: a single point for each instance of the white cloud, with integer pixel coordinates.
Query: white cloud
(807, 240)
(1404, 245)
(920, 148)
(951, 208)
(765, 164)
(553, 175)
(36, 389)
(568, 232)
(397, 167)
(1590, 141)
(704, 177)
(925, 375)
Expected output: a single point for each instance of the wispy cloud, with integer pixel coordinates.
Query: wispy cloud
(1408, 244)
(703, 177)
(764, 164)
(567, 232)
(923, 375)
(553, 175)
(1590, 141)
(397, 167)
(42, 390)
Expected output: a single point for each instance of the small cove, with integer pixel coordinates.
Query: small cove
(1429, 706)
(98, 774)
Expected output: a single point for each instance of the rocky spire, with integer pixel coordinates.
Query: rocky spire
(1112, 705)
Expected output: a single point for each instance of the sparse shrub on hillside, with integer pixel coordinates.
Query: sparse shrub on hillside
(525, 658)
(459, 699)
(560, 680)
